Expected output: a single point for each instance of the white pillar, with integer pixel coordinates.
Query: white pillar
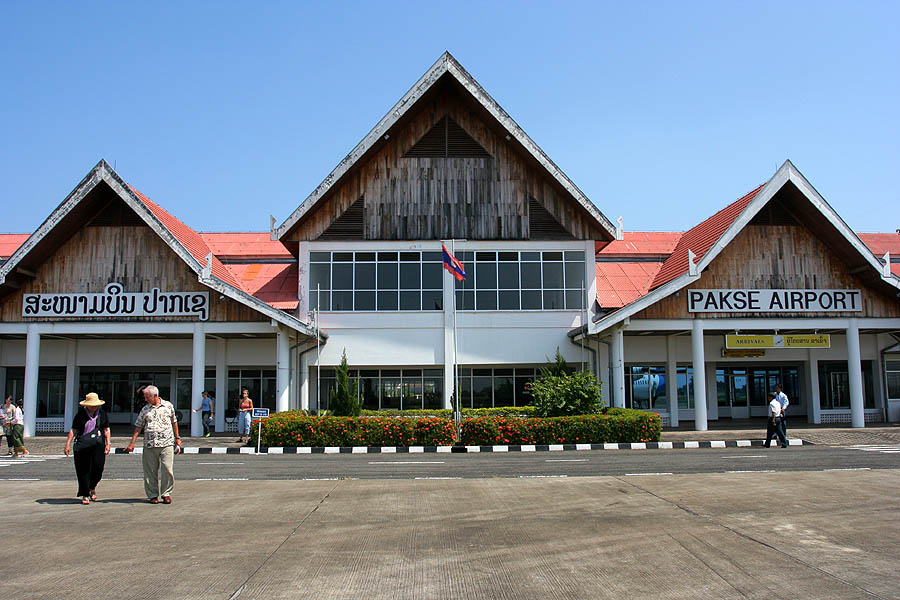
(854, 370)
(198, 378)
(283, 366)
(32, 367)
(303, 379)
(72, 384)
(617, 347)
(697, 354)
(221, 383)
(812, 382)
(672, 380)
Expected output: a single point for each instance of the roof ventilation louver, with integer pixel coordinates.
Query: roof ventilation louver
(446, 140)
(543, 225)
(349, 226)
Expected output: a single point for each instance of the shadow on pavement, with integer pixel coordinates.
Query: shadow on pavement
(75, 500)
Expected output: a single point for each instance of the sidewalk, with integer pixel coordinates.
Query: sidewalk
(824, 435)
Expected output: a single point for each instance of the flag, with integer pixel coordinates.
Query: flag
(454, 266)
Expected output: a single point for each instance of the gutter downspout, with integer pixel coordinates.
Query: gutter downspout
(583, 346)
(609, 364)
(314, 343)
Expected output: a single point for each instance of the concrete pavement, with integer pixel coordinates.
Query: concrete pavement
(749, 535)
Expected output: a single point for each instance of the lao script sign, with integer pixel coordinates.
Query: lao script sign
(774, 300)
(114, 302)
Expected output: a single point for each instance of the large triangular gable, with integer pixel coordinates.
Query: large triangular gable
(700, 246)
(186, 243)
(445, 65)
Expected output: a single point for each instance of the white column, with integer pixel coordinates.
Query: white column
(854, 370)
(812, 382)
(2, 375)
(672, 380)
(283, 366)
(32, 366)
(221, 383)
(303, 379)
(617, 347)
(72, 383)
(198, 378)
(697, 353)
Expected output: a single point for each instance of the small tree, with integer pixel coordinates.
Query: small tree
(344, 395)
(564, 395)
(556, 367)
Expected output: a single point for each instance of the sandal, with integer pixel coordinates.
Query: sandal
(85, 500)
(93, 496)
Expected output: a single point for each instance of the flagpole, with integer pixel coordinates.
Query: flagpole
(458, 412)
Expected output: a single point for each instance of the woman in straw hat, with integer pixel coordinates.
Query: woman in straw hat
(90, 428)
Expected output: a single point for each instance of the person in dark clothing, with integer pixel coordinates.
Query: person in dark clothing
(90, 429)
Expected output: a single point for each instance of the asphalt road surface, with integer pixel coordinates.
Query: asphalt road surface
(451, 466)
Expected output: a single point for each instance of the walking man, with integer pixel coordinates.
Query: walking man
(207, 412)
(157, 419)
(784, 402)
(773, 427)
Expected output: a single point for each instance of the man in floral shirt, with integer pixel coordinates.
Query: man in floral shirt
(160, 426)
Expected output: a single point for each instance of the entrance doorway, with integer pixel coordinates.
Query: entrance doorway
(743, 390)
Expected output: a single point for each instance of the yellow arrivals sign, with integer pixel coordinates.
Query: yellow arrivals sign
(817, 340)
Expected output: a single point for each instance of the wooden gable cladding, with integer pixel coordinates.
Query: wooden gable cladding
(775, 257)
(417, 197)
(131, 255)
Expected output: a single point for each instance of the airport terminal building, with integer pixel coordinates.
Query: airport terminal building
(112, 291)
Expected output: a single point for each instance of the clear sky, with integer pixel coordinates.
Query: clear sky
(661, 112)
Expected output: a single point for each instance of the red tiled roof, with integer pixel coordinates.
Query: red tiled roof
(188, 238)
(274, 284)
(641, 242)
(9, 242)
(879, 243)
(700, 239)
(245, 244)
(621, 283)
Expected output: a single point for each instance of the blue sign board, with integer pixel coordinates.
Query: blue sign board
(260, 413)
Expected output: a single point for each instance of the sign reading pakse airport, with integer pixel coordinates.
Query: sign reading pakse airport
(774, 300)
(811, 340)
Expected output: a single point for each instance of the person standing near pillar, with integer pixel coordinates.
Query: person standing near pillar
(784, 402)
(18, 430)
(6, 416)
(157, 419)
(773, 427)
(207, 412)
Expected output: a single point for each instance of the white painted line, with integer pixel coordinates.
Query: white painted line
(473, 448)
(717, 444)
(191, 450)
(247, 450)
(332, 450)
(304, 450)
(438, 477)
(566, 460)
(608, 446)
(442, 449)
(795, 442)
(692, 444)
(278, 450)
(639, 474)
(747, 456)
(389, 450)
(760, 471)
(360, 450)
(416, 449)
(219, 450)
(638, 446)
(665, 445)
(542, 476)
(230, 479)
(890, 451)
(501, 448)
(19, 479)
(123, 478)
(138, 450)
(744, 443)
(320, 479)
(406, 462)
(555, 447)
(848, 469)
(529, 448)
(220, 463)
(582, 446)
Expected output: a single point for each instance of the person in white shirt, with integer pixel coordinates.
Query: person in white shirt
(783, 400)
(773, 427)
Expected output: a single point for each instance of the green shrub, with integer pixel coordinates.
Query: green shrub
(446, 413)
(619, 425)
(565, 395)
(293, 428)
(345, 397)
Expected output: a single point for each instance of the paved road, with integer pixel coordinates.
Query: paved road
(514, 464)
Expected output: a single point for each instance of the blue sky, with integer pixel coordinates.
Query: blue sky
(661, 112)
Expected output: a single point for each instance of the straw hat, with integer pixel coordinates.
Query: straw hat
(92, 399)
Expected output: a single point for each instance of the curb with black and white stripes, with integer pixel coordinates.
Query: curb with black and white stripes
(476, 449)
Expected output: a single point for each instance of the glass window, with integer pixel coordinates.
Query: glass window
(432, 300)
(531, 275)
(508, 276)
(410, 300)
(342, 276)
(365, 276)
(432, 276)
(553, 275)
(410, 276)
(485, 275)
(387, 276)
(508, 300)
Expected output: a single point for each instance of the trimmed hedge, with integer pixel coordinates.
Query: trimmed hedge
(295, 428)
(446, 413)
(292, 428)
(617, 425)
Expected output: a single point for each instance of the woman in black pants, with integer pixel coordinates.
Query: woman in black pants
(90, 428)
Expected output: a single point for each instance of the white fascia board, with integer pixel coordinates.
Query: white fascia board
(445, 64)
(137, 328)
